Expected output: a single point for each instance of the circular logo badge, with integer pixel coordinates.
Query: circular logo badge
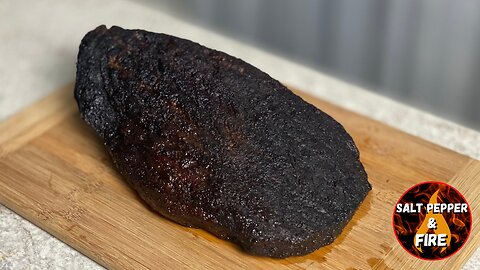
(432, 220)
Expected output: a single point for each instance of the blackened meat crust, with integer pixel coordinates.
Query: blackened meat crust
(212, 142)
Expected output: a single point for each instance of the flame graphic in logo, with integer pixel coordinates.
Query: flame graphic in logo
(441, 228)
(451, 228)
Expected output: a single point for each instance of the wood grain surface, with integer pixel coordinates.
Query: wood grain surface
(55, 172)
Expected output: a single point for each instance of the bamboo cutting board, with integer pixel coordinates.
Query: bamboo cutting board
(55, 172)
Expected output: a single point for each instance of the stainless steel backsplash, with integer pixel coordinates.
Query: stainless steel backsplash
(422, 52)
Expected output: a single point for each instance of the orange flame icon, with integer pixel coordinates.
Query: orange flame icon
(441, 224)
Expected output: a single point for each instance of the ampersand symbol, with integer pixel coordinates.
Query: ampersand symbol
(432, 224)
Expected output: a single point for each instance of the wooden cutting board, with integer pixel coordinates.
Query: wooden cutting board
(55, 172)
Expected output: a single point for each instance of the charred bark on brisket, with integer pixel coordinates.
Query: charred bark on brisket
(212, 142)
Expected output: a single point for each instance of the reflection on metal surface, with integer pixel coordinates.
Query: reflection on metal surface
(426, 53)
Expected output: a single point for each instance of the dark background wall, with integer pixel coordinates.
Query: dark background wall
(422, 52)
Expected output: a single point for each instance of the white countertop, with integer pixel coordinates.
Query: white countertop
(38, 46)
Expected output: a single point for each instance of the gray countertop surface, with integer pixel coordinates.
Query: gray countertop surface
(39, 43)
